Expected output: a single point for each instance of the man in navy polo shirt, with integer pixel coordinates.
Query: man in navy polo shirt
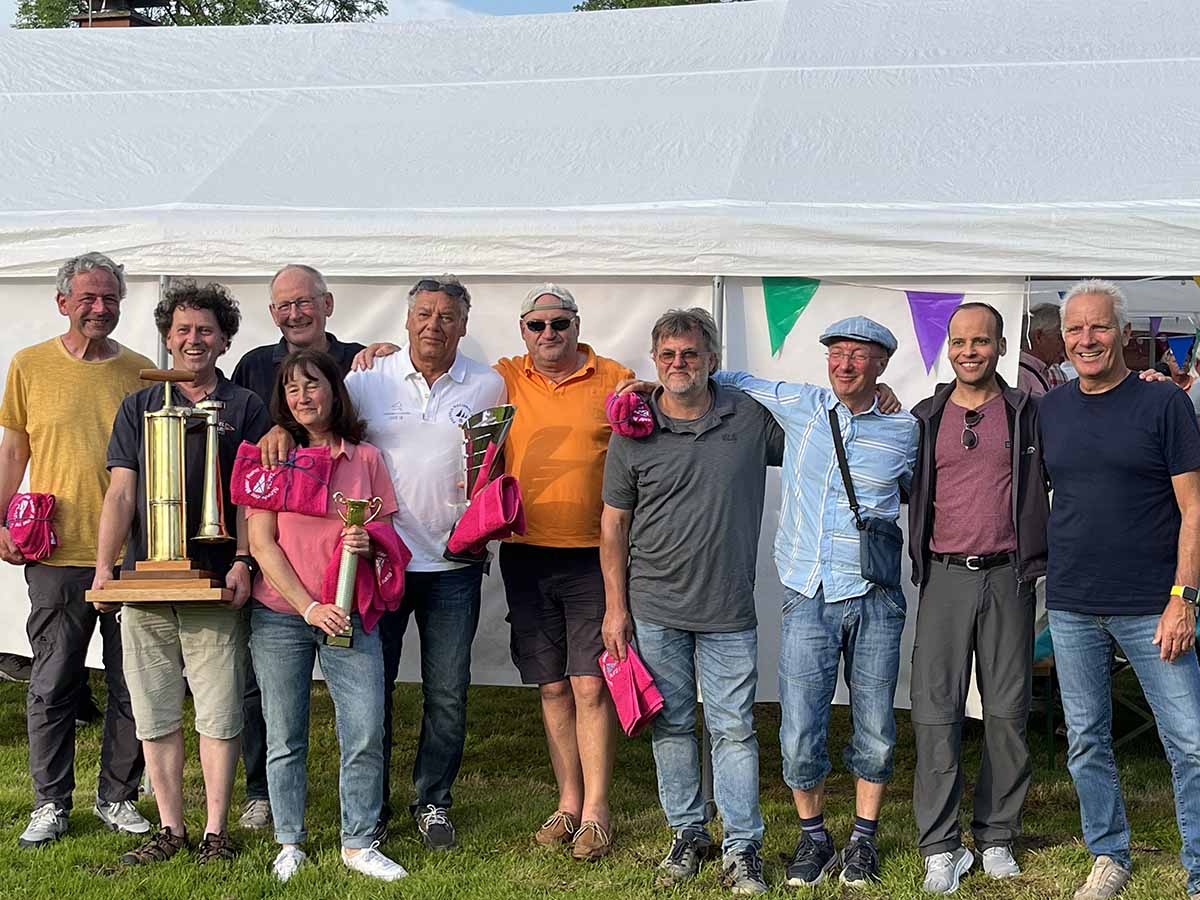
(1123, 456)
(300, 304)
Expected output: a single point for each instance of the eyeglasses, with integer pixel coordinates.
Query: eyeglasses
(970, 440)
(689, 357)
(855, 357)
(433, 286)
(302, 304)
(537, 326)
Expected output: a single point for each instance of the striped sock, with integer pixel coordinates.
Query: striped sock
(815, 827)
(864, 829)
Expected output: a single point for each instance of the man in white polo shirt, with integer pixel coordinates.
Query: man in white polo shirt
(414, 402)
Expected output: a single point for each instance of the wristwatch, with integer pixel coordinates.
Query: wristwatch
(1190, 595)
(252, 564)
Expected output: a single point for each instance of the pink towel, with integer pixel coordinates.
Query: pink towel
(629, 415)
(634, 694)
(495, 513)
(29, 522)
(299, 485)
(378, 588)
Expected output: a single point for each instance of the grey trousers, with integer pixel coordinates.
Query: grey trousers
(60, 628)
(987, 617)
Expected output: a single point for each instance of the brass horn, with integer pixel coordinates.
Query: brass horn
(212, 508)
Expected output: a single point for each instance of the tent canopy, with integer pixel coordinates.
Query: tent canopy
(833, 137)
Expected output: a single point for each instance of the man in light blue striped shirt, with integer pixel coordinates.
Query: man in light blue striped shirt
(831, 611)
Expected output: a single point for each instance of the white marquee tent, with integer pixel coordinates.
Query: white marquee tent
(947, 145)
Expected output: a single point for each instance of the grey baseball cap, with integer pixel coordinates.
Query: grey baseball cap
(565, 300)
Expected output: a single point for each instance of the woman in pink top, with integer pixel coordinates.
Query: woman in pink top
(289, 624)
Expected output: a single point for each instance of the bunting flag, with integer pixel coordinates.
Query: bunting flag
(1181, 346)
(931, 312)
(785, 300)
(1155, 324)
(1196, 278)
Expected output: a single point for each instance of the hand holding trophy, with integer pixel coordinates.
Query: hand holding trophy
(357, 512)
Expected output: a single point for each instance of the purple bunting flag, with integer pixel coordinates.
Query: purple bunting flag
(1155, 324)
(931, 312)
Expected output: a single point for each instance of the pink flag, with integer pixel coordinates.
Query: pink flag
(931, 312)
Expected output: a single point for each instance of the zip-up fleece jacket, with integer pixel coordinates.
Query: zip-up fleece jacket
(1030, 490)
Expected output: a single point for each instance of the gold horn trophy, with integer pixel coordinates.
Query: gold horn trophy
(167, 575)
(358, 512)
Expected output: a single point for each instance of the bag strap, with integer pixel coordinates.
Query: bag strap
(845, 467)
(1036, 374)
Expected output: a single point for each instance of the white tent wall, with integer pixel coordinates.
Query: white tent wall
(616, 315)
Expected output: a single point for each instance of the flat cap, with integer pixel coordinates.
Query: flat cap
(860, 328)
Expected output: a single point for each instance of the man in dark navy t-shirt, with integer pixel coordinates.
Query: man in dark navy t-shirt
(1123, 456)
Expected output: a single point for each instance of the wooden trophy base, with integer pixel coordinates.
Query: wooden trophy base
(169, 581)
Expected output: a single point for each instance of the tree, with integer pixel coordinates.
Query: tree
(595, 5)
(57, 13)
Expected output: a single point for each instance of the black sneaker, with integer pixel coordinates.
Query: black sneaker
(860, 862)
(742, 871)
(437, 831)
(811, 861)
(15, 668)
(683, 859)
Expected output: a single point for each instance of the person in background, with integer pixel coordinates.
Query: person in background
(59, 403)
(1040, 368)
(289, 623)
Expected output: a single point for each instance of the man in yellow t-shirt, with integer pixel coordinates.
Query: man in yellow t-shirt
(552, 576)
(59, 404)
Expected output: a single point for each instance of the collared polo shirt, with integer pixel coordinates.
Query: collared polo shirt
(257, 368)
(416, 427)
(557, 446)
(244, 418)
(309, 542)
(696, 490)
(817, 545)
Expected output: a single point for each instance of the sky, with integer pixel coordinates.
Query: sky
(414, 9)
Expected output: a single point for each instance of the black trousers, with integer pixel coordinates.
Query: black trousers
(254, 738)
(60, 627)
(985, 618)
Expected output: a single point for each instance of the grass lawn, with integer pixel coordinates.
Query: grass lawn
(506, 790)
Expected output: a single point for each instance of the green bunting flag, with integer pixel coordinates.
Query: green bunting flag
(785, 300)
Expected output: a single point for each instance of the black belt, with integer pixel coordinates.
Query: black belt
(974, 563)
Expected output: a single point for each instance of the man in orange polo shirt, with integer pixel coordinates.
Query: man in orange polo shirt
(552, 576)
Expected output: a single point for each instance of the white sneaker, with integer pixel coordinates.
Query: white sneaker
(288, 862)
(122, 816)
(998, 862)
(256, 814)
(943, 870)
(47, 824)
(1107, 879)
(374, 864)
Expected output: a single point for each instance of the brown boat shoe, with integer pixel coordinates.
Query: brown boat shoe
(557, 831)
(591, 842)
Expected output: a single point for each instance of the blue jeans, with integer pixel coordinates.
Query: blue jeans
(865, 631)
(1083, 649)
(726, 664)
(446, 607)
(284, 648)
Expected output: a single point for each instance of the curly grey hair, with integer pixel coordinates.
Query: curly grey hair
(88, 262)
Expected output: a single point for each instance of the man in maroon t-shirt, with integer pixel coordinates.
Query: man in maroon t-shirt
(976, 556)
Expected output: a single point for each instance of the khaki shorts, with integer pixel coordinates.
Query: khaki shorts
(160, 640)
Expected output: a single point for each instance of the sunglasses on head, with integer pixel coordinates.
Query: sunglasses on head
(433, 286)
(537, 326)
(970, 440)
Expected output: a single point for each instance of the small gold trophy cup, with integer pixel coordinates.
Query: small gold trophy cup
(167, 575)
(358, 512)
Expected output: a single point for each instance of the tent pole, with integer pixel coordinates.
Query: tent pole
(164, 361)
(718, 308)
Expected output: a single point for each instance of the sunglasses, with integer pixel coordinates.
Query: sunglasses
(432, 286)
(970, 440)
(537, 326)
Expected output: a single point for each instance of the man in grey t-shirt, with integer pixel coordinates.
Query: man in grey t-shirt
(679, 539)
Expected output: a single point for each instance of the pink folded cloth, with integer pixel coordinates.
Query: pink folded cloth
(636, 698)
(378, 583)
(29, 522)
(629, 415)
(299, 485)
(496, 512)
